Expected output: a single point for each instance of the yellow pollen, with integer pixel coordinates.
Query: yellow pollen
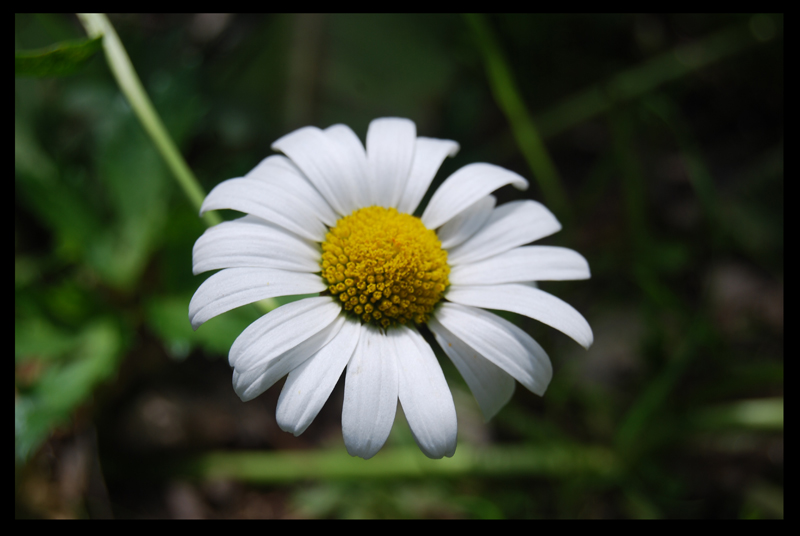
(385, 267)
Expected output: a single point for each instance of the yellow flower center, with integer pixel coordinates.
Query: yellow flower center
(385, 267)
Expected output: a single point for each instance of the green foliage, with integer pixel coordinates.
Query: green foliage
(61, 59)
(662, 134)
(102, 192)
(166, 317)
(56, 372)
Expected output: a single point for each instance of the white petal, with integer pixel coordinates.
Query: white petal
(370, 393)
(463, 188)
(329, 169)
(510, 225)
(250, 383)
(263, 169)
(282, 329)
(529, 301)
(289, 205)
(256, 243)
(425, 396)
(281, 172)
(352, 151)
(501, 342)
(491, 385)
(390, 152)
(429, 153)
(469, 221)
(530, 263)
(235, 287)
(309, 385)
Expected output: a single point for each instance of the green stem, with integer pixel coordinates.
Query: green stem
(263, 467)
(97, 24)
(760, 414)
(642, 79)
(508, 98)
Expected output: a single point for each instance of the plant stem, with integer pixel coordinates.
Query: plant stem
(97, 24)
(270, 467)
(508, 98)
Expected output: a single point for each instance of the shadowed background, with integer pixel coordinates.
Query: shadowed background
(656, 139)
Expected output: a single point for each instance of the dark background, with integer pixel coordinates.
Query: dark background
(666, 132)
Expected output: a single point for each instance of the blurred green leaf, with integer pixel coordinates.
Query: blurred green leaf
(764, 414)
(40, 185)
(61, 59)
(112, 215)
(78, 363)
(136, 183)
(41, 339)
(558, 460)
(168, 317)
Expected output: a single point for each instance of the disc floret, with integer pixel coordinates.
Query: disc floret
(384, 266)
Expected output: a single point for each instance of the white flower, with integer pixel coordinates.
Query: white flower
(333, 218)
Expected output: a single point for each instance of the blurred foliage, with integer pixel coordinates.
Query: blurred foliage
(62, 59)
(57, 371)
(666, 132)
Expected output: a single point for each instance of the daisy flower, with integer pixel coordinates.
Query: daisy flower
(334, 218)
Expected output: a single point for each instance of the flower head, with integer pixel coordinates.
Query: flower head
(334, 218)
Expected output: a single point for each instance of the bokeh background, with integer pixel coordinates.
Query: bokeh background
(665, 134)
